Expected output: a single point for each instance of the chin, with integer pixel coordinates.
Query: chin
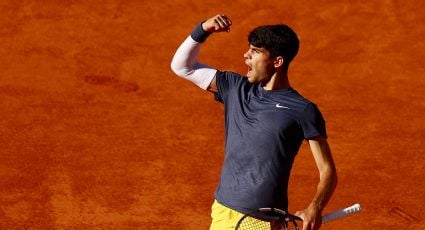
(252, 80)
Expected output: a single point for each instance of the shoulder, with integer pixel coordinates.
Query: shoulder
(303, 107)
(229, 83)
(230, 78)
(228, 74)
(298, 101)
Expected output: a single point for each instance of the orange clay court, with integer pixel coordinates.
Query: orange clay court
(96, 132)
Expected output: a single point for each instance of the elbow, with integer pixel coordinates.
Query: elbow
(179, 69)
(175, 67)
(329, 174)
(332, 171)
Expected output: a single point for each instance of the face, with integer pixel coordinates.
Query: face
(260, 65)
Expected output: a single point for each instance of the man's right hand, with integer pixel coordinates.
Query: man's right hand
(218, 23)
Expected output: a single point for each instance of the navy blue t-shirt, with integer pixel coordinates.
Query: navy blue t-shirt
(264, 131)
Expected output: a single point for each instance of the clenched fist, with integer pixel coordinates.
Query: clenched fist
(218, 23)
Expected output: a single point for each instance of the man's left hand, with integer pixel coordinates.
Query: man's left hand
(312, 218)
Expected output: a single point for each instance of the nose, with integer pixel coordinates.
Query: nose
(247, 55)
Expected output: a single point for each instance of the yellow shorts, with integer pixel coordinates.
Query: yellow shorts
(223, 217)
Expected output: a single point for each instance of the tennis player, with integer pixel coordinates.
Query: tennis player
(266, 121)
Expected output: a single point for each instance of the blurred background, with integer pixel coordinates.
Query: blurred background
(96, 132)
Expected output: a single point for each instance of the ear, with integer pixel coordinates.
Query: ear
(278, 61)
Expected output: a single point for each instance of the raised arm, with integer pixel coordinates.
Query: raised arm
(185, 61)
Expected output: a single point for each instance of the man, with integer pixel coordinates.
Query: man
(266, 121)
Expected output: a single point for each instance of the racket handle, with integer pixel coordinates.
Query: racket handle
(341, 213)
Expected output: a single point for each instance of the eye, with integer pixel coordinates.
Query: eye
(256, 51)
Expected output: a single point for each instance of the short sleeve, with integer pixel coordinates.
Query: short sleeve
(225, 82)
(312, 122)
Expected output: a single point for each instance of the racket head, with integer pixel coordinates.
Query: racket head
(268, 219)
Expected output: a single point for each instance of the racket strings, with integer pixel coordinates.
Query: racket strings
(251, 223)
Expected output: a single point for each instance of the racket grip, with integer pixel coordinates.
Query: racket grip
(342, 212)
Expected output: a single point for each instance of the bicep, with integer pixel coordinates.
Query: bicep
(185, 64)
(321, 153)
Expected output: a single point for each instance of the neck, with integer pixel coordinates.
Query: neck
(279, 80)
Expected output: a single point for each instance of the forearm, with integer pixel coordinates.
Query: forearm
(185, 61)
(325, 188)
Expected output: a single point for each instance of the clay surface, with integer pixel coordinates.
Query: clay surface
(96, 132)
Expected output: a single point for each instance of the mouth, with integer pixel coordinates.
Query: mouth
(249, 69)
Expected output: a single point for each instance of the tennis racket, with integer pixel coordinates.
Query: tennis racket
(276, 219)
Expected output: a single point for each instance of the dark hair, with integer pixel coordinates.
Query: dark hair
(278, 40)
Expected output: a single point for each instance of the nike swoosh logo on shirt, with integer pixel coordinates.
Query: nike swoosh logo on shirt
(281, 106)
